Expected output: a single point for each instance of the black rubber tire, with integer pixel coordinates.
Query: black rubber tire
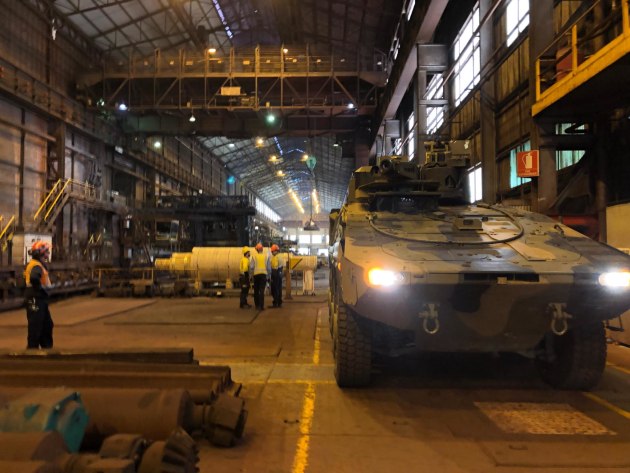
(580, 358)
(353, 349)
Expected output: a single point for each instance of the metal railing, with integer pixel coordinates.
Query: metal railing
(599, 25)
(56, 197)
(244, 61)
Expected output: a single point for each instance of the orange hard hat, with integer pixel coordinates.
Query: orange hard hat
(40, 248)
(275, 247)
(259, 247)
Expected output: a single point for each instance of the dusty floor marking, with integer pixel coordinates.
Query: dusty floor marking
(300, 460)
(618, 368)
(608, 405)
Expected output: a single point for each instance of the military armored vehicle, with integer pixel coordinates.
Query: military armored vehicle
(415, 267)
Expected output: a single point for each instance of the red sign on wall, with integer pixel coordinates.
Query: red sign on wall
(527, 163)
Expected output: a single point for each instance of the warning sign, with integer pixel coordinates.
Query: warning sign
(527, 164)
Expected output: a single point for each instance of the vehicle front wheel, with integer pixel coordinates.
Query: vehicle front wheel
(353, 349)
(575, 360)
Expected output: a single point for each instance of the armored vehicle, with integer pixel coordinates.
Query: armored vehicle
(414, 266)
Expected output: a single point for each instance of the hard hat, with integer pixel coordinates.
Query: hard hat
(39, 248)
(259, 247)
(245, 250)
(275, 247)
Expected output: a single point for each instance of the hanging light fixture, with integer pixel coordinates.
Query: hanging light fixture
(192, 118)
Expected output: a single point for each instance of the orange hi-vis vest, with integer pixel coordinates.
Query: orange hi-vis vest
(27, 273)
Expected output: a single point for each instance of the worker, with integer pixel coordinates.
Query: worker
(277, 266)
(244, 278)
(260, 267)
(40, 324)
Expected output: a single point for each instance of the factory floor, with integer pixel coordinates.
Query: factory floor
(435, 413)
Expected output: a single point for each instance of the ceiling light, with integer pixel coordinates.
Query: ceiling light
(212, 50)
(270, 119)
(192, 118)
(350, 105)
(273, 158)
(231, 145)
(280, 173)
(122, 106)
(336, 144)
(157, 144)
(304, 157)
(285, 50)
(260, 142)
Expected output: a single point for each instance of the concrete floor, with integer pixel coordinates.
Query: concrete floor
(427, 414)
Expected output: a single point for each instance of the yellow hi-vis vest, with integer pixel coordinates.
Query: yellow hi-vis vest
(29, 268)
(244, 264)
(260, 263)
(275, 262)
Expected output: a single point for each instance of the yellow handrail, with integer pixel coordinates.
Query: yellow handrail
(6, 228)
(48, 196)
(54, 203)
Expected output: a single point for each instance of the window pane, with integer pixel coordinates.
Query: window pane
(305, 239)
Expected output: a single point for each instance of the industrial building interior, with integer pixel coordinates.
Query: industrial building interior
(148, 141)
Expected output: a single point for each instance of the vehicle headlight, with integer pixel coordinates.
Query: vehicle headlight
(382, 277)
(615, 279)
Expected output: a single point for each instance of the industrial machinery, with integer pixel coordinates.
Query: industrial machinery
(415, 267)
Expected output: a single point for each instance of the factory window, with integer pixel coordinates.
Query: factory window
(475, 189)
(293, 237)
(303, 250)
(316, 239)
(411, 136)
(397, 150)
(566, 158)
(305, 240)
(265, 210)
(410, 6)
(516, 19)
(467, 57)
(514, 179)
(435, 115)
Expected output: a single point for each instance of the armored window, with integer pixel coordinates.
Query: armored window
(516, 19)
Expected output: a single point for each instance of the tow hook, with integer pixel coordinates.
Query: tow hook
(429, 316)
(559, 318)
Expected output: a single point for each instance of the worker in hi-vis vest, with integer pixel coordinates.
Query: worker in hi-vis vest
(277, 266)
(244, 278)
(40, 324)
(260, 267)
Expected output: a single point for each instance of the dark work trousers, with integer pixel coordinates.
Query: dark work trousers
(40, 324)
(260, 281)
(244, 280)
(276, 287)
